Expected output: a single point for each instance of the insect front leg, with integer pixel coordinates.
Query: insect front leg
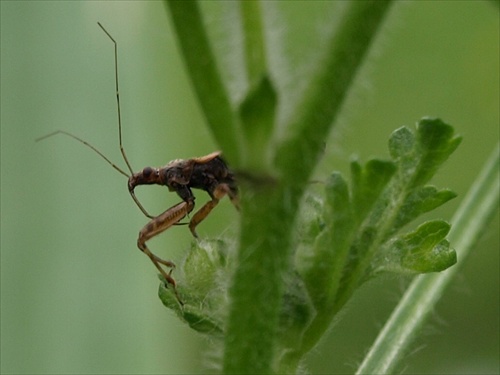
(157, 225)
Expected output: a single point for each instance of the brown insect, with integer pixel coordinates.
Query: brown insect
(209, 173)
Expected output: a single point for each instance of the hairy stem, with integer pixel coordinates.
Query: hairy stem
(254, 42)
(268, 212)
(298, 152)
(205, 76)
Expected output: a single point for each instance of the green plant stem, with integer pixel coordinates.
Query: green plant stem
(425, 291)
(257, 110)
(205, 77)
(254, 42)
(298, 152)
(268, 212)
(257, 284)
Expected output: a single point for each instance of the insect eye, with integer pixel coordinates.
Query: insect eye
(148, 171)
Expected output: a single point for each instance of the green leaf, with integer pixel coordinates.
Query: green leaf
(421, 155)
(196, 316)
(356, 230)
(296, 313)
(202, 287)
(345, 237)
(418, 303)
(416, 157)
(421, 251)
(320, 266)
(436, 142)
(421, 200)
(201, 266)
(402, 143)
(311, 222)
(368, 183)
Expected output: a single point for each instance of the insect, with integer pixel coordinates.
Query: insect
(209, 173)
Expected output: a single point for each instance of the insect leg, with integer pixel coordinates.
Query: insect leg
(219, 192)
(157, 225)
(232, 193)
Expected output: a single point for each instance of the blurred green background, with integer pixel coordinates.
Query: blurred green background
(76, 294)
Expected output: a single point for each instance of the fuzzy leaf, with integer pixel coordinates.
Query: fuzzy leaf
(435, 144)
(321, 267)
(200, 286)
(421, 155)
(421, 251)
(201, 265)
(420, 201)
(368, 182)
(196, 316)
(402, 199)
(296, 313)
(311, 221)
(356, 234)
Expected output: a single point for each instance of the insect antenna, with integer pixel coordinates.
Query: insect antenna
(86, 144)
(122, 150)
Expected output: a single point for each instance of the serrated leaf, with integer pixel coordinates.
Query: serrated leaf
(368, 182)
(421, 251)
(420, 201)
(402, 143)
(385, 196)
(311, 222)
(436, 141)
(200, 267)
(195, 313)
(198, 320)
(321, 266)
(200, 278)
(426, 249)
(421, 155)
(296, 313)
(168, 297)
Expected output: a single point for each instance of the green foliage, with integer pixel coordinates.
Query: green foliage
(300, 257)
(244, 293)
(357, 236)
(419, 299)
(202, 284)
(346, 236)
